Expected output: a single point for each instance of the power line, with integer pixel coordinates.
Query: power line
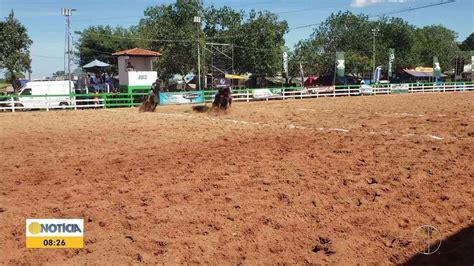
(442, 2)
(142, 39)
(46, 56)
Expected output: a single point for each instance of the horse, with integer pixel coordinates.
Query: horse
(148, 103)
(223, 99)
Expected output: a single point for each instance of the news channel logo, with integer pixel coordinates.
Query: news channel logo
(427, 239)
(54, 233)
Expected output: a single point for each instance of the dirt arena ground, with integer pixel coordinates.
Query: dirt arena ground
(336, 180)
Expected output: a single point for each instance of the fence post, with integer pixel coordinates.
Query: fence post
(47, 102)
(334, 92)
(13, 103)
(248, 95)
(74, 101)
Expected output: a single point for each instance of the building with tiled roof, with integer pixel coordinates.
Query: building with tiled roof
(135, 67)
(137, 52)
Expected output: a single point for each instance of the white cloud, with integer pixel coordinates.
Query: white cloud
(364, 3)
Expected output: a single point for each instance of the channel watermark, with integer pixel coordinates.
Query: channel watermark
(428, 238)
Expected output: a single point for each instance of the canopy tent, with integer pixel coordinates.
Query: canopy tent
(96, 63)
(421, 72)
(229, 76)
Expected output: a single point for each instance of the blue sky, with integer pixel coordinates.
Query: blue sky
(46, 26)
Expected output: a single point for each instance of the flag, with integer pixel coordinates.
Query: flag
(391, 59)
(377, 74)
(285, 63)
(436, 68)
(302, 75)
(340, 64)
(472, 64)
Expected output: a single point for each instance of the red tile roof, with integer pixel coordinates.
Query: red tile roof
(137, 52)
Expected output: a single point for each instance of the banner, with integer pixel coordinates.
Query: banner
(436, 68)
(181, 97)
(472, 64)
(399, 88)
(261, 94)
(377, 74)
(391, 59)
(141, 78)
(365, 89)
(302, 75)
(285, 63)
(340, 64)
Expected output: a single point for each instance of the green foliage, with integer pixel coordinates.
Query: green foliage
(353, 34)
(59, 73)
(171, 31)
(99, 42)
(256, 41)
(259, 48)
(468, 43)
(434, 41)
(14, 48)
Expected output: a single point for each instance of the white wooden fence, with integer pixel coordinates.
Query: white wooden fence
(13, 103)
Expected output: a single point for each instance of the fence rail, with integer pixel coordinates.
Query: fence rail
(110, 100)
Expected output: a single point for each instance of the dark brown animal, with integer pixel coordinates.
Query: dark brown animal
(148, 103)
(223, 99)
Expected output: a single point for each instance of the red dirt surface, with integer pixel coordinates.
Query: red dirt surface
(337, 180)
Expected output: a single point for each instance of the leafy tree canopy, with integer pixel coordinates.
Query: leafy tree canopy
(353, 34)
(14, 48)
(468, 43)
(99, 42)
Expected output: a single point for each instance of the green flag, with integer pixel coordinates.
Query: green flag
(436, 67)
(340, 64)
(391, 59)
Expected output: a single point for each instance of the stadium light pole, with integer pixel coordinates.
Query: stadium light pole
(197, 20)
(67, 12)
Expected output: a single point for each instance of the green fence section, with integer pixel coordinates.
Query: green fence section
(107, 100)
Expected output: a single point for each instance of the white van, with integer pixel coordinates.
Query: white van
(42, 94)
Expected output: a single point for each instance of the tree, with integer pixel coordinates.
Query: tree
(398, 34)
(101, 41)
(59, 74)
(468, 43)
(14, 48)
(170, 30)
(343, 32)
(432, 41)
(353, 34)
(259, 47)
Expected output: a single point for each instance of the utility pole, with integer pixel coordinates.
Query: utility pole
(197, 20)
(67, 12)
(374, 32)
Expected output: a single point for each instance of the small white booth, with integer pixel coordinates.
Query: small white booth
(135, 67)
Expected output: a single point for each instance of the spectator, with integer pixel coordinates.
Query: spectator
(130, 67)
(108, 83)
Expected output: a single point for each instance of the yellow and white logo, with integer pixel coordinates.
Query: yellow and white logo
(54, 233)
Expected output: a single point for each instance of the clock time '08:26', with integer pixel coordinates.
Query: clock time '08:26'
(57, 242)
